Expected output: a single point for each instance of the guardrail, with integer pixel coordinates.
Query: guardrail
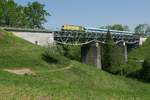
(26, 30)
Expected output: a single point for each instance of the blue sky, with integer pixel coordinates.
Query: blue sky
(95, 12)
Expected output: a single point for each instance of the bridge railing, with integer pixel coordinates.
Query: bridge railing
(26, 30)
(81, 37)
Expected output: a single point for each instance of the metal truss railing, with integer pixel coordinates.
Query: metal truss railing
(82, 38)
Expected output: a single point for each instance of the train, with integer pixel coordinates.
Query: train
(92, 29)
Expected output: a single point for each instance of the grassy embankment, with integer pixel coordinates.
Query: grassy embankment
(74, 82)
(142, 52)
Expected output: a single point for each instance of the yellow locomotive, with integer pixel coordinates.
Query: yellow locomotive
(72, 28)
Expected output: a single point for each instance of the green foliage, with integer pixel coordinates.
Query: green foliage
(75, 82)
(139, 29)
(130, 69)
(119, 27)
(78, 82)
(145, 71)
(54, 54)
(142, 29)
(114, 60)
(137, 56)
(72, 52)
(35, 13)
(13, 15)
(18, 52)
(112, 57)
(107, 58)
(8, 12)
(140, 53)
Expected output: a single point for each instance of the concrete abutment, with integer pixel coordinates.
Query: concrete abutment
(91, 54)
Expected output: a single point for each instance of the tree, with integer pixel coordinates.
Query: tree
(36, 14)
(7, 12)
(139, 29)
(118, 27)
(107, 51)
(142, 29)
(126, 28)
(13, 15)
(112, 56)
(22, 20)
(2, 18)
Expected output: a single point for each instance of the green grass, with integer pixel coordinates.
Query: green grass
(59, 82)
(136, 57)
(16, 52)
(142, 52)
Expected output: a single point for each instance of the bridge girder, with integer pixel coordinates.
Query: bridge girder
(81, 38)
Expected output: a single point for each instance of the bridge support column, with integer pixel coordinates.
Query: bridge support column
(91, 54)
(125, 51)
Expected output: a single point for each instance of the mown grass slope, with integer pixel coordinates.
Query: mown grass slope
(57, 82)
(15, 52)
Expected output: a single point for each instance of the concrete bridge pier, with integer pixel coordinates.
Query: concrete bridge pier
(91, 54)
(125, 51)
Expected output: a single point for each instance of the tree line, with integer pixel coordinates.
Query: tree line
(33, 15)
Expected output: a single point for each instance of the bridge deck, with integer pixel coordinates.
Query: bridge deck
(85, 37)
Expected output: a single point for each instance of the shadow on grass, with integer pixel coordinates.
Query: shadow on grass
(138, 76)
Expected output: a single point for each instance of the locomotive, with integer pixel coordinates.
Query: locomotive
(72, 28)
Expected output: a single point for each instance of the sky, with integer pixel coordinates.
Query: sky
(93, 13)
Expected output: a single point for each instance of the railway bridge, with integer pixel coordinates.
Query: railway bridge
(91, 42)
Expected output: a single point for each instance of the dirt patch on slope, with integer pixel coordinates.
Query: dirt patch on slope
(21, 71)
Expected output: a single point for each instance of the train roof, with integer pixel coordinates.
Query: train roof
(101, 29)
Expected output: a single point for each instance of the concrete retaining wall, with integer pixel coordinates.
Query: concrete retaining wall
(142, 40)
(36, 37)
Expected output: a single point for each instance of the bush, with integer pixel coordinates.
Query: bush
(114, 60)
(131, 68)
(72, 52)
(54, 54)
(145, 71)
(127, 69)
(116, 69)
